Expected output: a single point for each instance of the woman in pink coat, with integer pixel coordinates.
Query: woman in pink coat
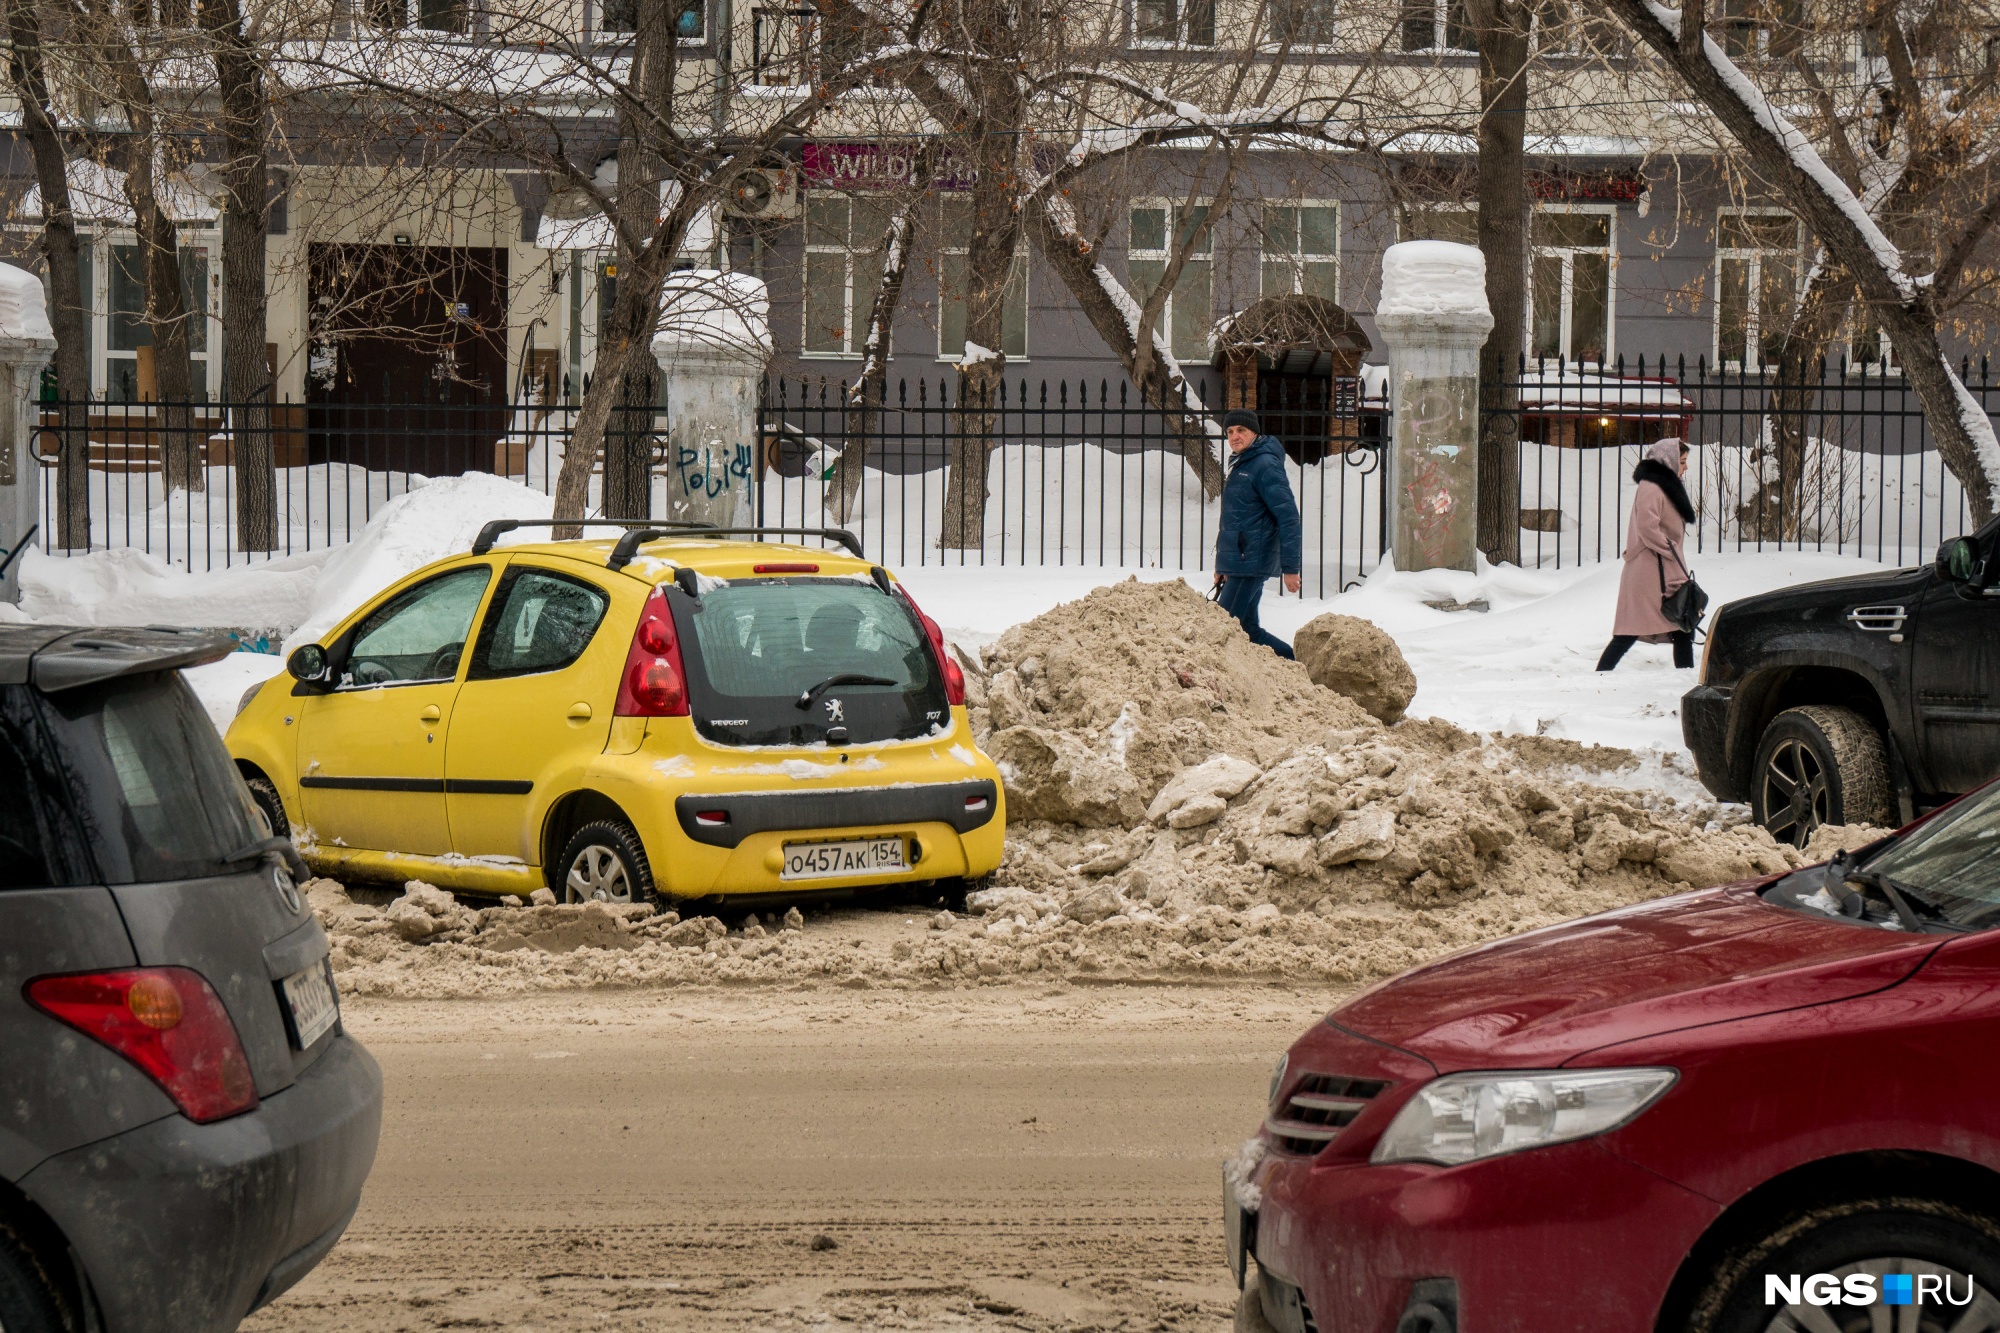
(1654, 562)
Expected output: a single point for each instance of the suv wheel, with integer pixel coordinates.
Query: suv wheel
(604, 862)
(265, 794)
(1877, 1237)
(1819, 765)
(28, 1302)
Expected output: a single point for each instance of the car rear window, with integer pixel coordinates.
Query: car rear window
(147, 780)
(41, 845)
(757, 645)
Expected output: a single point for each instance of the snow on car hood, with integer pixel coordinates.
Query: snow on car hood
(1712, 956)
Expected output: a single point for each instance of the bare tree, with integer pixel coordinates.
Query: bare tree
(1903, 302)
(27, 66)
(1502, 31)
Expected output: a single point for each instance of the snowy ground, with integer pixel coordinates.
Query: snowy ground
(1524, 665)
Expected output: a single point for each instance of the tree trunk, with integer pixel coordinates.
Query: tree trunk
(246, 381)
(996, 231)
(865, 399)
(626, 335)
(1114, 315)
(67, 298)
(628, 441)
(1781, 154)
(1774, 511)
(1503, 239)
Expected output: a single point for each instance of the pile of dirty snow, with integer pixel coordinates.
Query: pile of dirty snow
(1181, 805)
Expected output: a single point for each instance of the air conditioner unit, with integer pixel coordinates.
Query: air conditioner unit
(761, 192)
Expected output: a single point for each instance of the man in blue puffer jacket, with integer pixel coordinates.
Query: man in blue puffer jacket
(1259, 538)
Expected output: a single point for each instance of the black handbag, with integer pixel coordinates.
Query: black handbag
(1684, 605)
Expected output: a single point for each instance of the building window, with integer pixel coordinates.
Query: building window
(1756, 285)
(1186, 317)
(1436, 25)
(1173, 22)
(1868, 346)
(1458, 223)
(1573, 28)
(955, 217)
(1299, 24)
(622, 16)
(843, 268)
(798, 46)
(1301, 244)
(1758, 29)
(430, 15)
(1571, 297)
(128, 374)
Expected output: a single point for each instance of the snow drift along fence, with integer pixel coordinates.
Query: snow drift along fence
(1078, 473)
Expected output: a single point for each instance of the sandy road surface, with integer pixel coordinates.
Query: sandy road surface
(1004, 1157)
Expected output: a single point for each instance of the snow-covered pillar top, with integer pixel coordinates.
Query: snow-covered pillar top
(1434, 317)
(713, 345)
(26, 344)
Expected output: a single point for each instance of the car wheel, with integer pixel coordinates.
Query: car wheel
(604, 862)
(1819, 765)
(28, 1301)
(265, 794)
(1919, 1238)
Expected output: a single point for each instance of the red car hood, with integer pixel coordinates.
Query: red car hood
(1538, 999)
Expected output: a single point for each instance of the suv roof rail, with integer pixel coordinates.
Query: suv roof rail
(491, 532)
(628, 545)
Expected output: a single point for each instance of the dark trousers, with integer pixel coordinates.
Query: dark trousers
(1683, 650)
(1239, 597)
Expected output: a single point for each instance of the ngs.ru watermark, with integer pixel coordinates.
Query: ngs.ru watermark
(1867, 1289)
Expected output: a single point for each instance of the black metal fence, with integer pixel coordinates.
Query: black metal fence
(1078, 473)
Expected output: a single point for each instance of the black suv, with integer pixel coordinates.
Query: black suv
(184, 1125)
(1862, 700)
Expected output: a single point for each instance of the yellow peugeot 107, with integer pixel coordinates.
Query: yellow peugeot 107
(670, 715)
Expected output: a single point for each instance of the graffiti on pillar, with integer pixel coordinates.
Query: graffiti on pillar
(710, 478)
(1436, 424)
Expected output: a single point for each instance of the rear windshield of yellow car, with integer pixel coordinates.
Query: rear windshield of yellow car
(782, 661)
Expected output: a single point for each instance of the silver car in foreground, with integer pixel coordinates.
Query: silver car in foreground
(184, 1124)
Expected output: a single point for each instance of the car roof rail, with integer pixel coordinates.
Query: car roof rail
(491, 532)
(628, 545)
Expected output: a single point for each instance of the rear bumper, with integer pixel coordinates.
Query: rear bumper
(1510, 1237)
(183, 1228)
(1705, 728)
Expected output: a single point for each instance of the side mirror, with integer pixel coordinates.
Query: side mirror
(308, 664)
(1958, 560)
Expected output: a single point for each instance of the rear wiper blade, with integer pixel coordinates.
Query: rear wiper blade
(805, 699)
(267, 846)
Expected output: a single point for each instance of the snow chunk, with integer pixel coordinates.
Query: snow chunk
(1433, 278)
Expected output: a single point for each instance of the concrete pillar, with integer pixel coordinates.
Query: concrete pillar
(26, 344)
(713, 347)
(1434, 317)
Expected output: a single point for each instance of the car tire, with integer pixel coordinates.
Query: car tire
(1815, 765)
(28, 1300)
(265, 793)
(604, 861)
(1877, 1236)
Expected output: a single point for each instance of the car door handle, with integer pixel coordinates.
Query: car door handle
(579, 712)
(430, 714)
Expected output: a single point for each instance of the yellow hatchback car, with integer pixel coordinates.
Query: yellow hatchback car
(666, 716)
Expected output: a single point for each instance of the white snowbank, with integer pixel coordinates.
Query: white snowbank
(428, 522)
(220, 685)
(123, 586)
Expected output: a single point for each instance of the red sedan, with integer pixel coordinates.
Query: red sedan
(1768, 1107)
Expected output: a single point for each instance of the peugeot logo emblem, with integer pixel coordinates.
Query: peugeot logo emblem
(834, 712)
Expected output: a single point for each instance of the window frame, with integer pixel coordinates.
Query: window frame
(1173, 209)
(98, 244)
(853, 337)
(1274, 42)
(1567, 253)
(496, 606)
(1020, 264)
(352, 637)
(1441, 28)
(1299, 257)
(1754, 255)
(600, 31)
(1180, 41)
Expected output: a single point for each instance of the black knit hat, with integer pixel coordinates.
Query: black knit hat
(1244, 417)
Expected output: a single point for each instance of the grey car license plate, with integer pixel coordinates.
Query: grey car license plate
(833, 860)
(315, 1007)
